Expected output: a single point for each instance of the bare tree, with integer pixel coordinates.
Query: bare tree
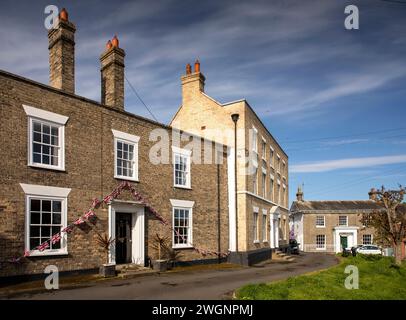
(390, 222)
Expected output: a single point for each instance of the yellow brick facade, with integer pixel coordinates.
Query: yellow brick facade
(203, 115)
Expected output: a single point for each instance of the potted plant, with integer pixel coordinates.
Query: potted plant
(105, 242)
(160, 245)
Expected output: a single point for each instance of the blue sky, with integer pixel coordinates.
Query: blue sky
(334, 98)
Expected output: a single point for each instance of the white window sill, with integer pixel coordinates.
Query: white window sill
(126, 178)
(320, 226)
(256, 241)
(182, 187)
(182, 247)
(265, 241)
(48, 253)
(321, 249)
(44, 166)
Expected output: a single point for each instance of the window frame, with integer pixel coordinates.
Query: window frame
(324, 222)
(51, 119)
(264, 226)
(46, 193)
(188, 155)
(183, 205)
(255, 140)
(255, 230)
(129, 139)
(371, 239)
(346, 221)
(255, 181)
(263, 181)
(325, 242)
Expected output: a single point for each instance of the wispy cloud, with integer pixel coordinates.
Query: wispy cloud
(341, 142)
(331, 165)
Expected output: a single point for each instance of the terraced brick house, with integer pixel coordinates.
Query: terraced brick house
(60, 151)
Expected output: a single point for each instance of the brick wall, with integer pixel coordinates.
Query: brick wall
(89, 158)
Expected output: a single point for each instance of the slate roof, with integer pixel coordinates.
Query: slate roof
(334, 206)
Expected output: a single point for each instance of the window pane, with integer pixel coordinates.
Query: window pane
(37, 126)
(46, 205)
(37, 137)
(56, 206)
(54, 140)
(34, 242)
(35, 218)
(119, 146)
(35, 205)
(34, 231)
(125, 145)
(45, 232)
(56, 245)
(46, 138)
(56, 218)
(54, 161)
(45, 150)
(46, 129)
(46, 218)
(37, 148)
(45, 159)
(54, 131)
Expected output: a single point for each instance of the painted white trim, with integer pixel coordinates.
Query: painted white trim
(232, 226)
(63, 250)
(272, 177)
(125, 136)
(182, 203)
(137, 232)
(272, 148)
(263, 170)
(45, 115)
(279, 182)
(184, 152)
(264, 212)
(133, 142)
(189, 243)
(61, 144)
(261, 198)
(255, 209)
(38, 190)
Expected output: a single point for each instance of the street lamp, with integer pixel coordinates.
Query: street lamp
(235, 117)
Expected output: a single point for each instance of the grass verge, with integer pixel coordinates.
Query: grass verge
(379, 279)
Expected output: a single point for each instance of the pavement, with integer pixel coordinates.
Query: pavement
(210, 284)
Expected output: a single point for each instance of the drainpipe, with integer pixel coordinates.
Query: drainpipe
(235, 117)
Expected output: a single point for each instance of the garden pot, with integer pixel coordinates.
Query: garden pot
(160, 265)
(108, 270)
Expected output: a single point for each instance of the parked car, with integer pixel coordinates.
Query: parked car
(293, 247)
(369, 249)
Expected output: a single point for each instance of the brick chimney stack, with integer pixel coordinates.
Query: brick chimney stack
(62, 54)
(112, 75)
(372, 194)
(192, 83)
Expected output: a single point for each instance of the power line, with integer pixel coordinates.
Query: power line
(139, 98)
(344, 136)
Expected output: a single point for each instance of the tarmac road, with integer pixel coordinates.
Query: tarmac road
(190, 285)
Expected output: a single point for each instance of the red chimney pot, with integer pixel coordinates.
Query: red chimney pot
(188, 69)
(63, 15)
(197, 65)
(109, 45)
(115, 42)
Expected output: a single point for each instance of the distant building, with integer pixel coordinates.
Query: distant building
(330, 226)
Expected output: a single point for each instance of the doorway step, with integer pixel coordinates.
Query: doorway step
(131, 269)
